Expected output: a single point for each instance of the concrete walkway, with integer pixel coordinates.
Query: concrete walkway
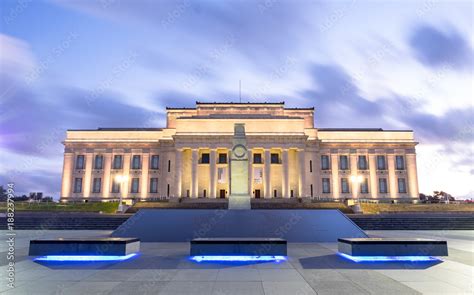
(312, 268)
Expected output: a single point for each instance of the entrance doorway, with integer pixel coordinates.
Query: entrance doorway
(257, 194)
(222, 194)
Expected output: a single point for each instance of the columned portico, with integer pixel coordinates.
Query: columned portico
(221, 150)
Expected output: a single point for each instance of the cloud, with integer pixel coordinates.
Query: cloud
(436, 48)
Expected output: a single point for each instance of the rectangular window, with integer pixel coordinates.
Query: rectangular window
(364, 186)
(257, 158)
(362, 163)
(78, 185)
(99, 160)
(381, 165)
(275, 158)
(155, 162)
(344, 185)
(310, 166)
(116, 186)
(383, 185)
(402, 186)
(325, 162)
(222, 158)
(169, 166)
(117, 162)
(343, 163)
(205, 158)
(168, 190)
(153, 185)
(136, 162)
(135, 184)
(326, 186)
(80, 162)
(400, 162)
(97, 184)
(311, 189)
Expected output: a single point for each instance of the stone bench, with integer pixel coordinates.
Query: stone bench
(84, 246)
(239, 246)
(392, 247)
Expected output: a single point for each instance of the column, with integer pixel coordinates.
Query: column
(68, 167)
(373, 176)
(302, 174)
(285, 175)
(212, 174)
(86, 186)
(194, 178)
(335, 176)
(250, 173)
(125, 172)
(392, 181)
(412, 176)
(144, 178)
(106, 180)
(354, 172)
(178, 173)
(267, 186)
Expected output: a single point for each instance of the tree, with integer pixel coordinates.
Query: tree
(3, 194)
(440, 195)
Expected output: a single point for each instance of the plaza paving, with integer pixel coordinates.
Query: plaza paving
(164, 268)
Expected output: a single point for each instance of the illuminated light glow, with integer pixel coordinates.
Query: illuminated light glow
(388, 258)
(238, 258)
(85, 257)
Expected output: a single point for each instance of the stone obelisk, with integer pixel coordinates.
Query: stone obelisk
(239, 161)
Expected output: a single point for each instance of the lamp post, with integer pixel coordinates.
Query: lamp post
(356, 181)
(121, 179)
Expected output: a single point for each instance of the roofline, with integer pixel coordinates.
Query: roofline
(118, 129)
(360, 130)
(241, 103)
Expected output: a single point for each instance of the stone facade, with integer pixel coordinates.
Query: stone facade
(288, 157)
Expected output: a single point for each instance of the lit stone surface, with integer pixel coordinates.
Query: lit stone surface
(165, 268)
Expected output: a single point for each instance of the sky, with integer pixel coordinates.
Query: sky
(118, 63)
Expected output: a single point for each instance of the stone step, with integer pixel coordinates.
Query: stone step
(237, 202)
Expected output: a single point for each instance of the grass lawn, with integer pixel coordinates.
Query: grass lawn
(381, 208)
(109, 207)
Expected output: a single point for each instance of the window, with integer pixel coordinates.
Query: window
(310, 166)
(116, 186)
(169, 166)
(136, 162)
(381, 165)
(344, 185)
(99, 160)
(222, 158)
(275, 159)
(343, 163)
(311, 189)
(257, 158)
(257, 174)
(402, 186)
(135, 183)
(325, 162)
(400, 162)
(205, 158)
(204, 193)
(362, 163)
(168, 190)
(117, 162)
(275, 193)
(155, 162)
(96, 185)
(153, 185)
(364, 186)
(383, 185)
(80, 162)
(326, 186)
(78, 185)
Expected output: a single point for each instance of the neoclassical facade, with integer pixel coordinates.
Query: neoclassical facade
(286, 157)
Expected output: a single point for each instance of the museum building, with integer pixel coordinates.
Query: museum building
(284, 155)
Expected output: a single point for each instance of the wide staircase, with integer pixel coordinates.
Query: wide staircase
(415, 221)
(65, 221)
